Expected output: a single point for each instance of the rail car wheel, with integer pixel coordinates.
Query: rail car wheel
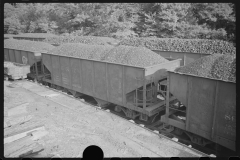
(149, 119)
(198, 140)
(130, 113)
(54, 86)
(118, 108)
(178, 131)
(143, 117)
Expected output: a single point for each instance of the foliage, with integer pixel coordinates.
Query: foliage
(124, 20)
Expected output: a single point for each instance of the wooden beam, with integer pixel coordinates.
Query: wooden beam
(24, 134)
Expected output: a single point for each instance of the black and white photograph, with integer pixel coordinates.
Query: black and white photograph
(119, 80)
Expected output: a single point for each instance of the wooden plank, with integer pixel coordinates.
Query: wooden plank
(35, 147)
(14, 146)
(5, 125)
(5, 111)
(23, 150)
(24, 134)
(22, 128)
(18, 110)
(18, 120)
(34, 151)
(39, 134)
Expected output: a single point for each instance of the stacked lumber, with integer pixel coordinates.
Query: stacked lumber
(21, 133)
(22, 147)
(15, 70)
(22, 140)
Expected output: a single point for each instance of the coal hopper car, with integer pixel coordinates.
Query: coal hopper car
(26, 52)
(205, 109)
(110, 75)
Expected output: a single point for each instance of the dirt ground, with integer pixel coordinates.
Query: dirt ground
(73, 125)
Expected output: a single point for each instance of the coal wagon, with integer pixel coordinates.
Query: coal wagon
(28, 53)
(201, 101)
(209, 112)
(133, 89)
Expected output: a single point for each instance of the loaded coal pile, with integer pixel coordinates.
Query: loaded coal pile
(217, 66)
(182, 45)
(128, 55)
(93, 40)
(135, 56)
(95, 52)
(27, 45)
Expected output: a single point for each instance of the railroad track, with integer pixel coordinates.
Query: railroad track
(208, 152)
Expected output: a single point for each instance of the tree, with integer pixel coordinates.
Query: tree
(8, 10)
(13, 25)
(219, 17)
(120, 20)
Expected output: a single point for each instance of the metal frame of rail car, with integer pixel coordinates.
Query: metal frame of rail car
(187, 57)
(210, 108)
(109, 82)
(26, 57)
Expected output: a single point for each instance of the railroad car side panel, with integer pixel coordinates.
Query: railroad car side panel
(65, 72)
(47, 61)
(178, 87)
(24, 57)
(87, 77)
(115, 89)
(18, 56)
(56, 70)
(6, 55)
(133, 79)
(201, 103)
(12, 55)
(100, 83)
(225, 119)
(31, 58)
(75, 65)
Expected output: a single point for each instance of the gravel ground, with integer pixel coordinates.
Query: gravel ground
(218, 66)
(27, 45)
(70, 131)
